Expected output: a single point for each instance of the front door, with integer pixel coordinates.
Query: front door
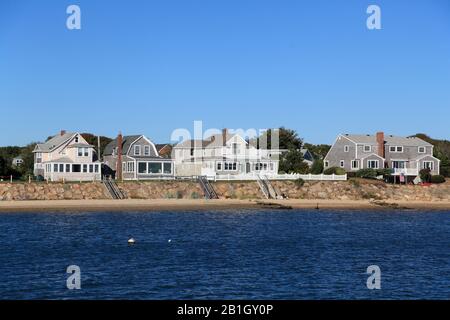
(247, 167)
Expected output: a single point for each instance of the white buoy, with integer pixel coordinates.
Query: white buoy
(170, 240)
(131, 241)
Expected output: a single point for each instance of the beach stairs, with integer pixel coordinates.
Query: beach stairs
(113, 189)
(207, 188)
(268, 190)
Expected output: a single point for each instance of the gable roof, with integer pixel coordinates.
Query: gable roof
(389, 140)
(54, 142)
(126, 143)
(213, 141)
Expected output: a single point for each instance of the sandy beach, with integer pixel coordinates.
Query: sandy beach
(201, 204)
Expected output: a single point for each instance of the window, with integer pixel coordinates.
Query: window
(146, 150)
(67, 167)
(61, 168)
(372, 164)
(230, 166)
(428, 165)
(342, 163)
(154, 167)
(219, 166)
(86, 152)
(421, 149)
(85, 168)
(96, 168)
(167, 168)
(367, 148)
(395, 149)
(235, 148)
(76, 168)
(137, 150)
(91, 168)
(130, 166)
(76, 139)
(355, 164)
(80, 152)
(192, 152)
(346, 148)
(142, 167)
(326, 163)
(55, 167)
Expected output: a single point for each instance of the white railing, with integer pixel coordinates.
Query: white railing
(406, 171)
(287, 176)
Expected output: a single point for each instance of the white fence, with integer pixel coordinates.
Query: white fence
(293, 176)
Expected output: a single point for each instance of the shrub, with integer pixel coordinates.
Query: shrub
(437, 179)
(425, 175)
(195, 195)
(367, 173)
(299, 182)
(384, 172)
(317, 166)
(334, 170)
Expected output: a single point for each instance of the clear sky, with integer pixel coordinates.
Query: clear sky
(156, 65)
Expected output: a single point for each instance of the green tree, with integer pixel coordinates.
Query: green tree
(317, 166)
(318, 151)
(292, 162)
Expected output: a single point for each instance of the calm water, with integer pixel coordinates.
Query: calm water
(226, 255)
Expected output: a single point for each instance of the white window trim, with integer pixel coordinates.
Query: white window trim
(146, 148)
(346, 148)
(137, 147)
(424, 149)
(367, 145)
(396, 149)
(377, 161)
(326, 164)
(357, 164)
(430, 162)
(342, 163)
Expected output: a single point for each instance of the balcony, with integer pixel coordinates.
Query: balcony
(405, 171)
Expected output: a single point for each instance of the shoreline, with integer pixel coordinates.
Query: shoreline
(220, 204)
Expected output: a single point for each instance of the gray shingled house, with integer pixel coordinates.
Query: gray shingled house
(139, 159)
(404, 155)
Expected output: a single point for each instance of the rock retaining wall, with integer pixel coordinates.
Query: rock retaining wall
(355, 189)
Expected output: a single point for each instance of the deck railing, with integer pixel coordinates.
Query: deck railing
(287, 176)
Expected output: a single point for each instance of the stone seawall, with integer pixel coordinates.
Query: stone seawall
(355, 189)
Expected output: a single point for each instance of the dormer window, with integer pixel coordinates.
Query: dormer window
(137, 150)
(146, 150)
(367, 148)
(421, 149)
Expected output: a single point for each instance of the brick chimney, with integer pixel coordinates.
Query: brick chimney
(119, 175)
(380, 142)
(63, 132)
(224, 136)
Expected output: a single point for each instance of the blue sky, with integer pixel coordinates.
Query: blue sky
(153, 66)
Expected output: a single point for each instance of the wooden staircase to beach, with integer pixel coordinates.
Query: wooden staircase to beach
(207, 188)
(268, 190)
(113, 189)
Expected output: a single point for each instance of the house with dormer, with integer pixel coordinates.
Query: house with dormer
(404, 155)
(223, 154)
(136, 157)
(66, 157)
